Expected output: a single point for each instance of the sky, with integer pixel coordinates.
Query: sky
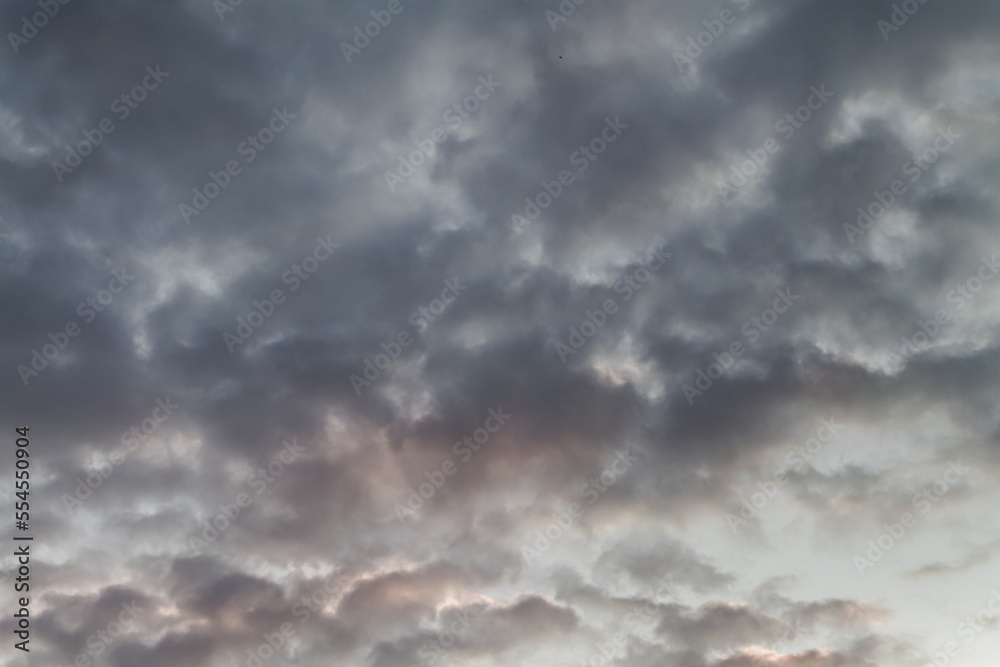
(441, 333)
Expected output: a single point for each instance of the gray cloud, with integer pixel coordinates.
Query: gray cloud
(858, 300)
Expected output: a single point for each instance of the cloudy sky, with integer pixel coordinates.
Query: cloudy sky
(459, 333)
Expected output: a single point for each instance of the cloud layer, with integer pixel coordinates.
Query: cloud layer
(415, 333)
